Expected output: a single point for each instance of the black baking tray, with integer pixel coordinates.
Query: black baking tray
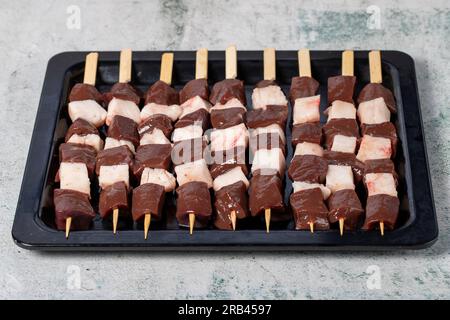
(33, 225)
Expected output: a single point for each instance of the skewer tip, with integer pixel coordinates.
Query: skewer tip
(68, 223)
(147, 220)
(341, 226)
(382, 228)
(191, 223)
(115, 220)
(311, 227)
(233, 219)
(267, 216)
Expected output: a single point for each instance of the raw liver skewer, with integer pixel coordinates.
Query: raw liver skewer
(308, 167)
(376, 103)
(77, 156)
(341, 136)
(268, 117)
(153, 157)
(229, 141)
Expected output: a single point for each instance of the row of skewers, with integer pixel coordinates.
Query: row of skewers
(204, 137)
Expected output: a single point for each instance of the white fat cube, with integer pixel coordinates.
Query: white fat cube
(160, 177)
(344, 144)
(229, 138)
(341, 110)
(88, 110)
(194, 104)
(307, 110)
(74, 176)
(124, 108)
(270, 95)
(92, 140)
(273, 129)
(156, 136)
(380, 183)
(374, 112)
(308, 148)
(228, 178)
(186, 133)
(267, 160)
(300, 186)
(373, 148)
(112, 143)
(151, 109)
(194, 171)
(112, 174)
(233, 103)
(339, 178)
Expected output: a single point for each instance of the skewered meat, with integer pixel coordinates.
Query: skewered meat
(230, 177)
(194, 171)
(373, 112)
(229, 138)
(88, 110)
(193, 197)
(344, 144)
(156, 136)
(161, 93)
(308, 207)
(157, 121)
(160, 177)
(380, 183)
(270, 95)
(113, 143)
(373, 148)
(339, 178)
(230, 198)
(269, 160)
(302, 87)
(226, 90)
(148, 198)
(306, 148)
(308, 168)
(265, 192)
(77, 153)
(307, 110)
(73, 204)
(125, 108)
(196, 87)
(341, 88)
(123, 128)
(376, 90)
(74, 176)
(113, 196)
(341, 110)
(152, 156)
(300, 186)
(173, 112)
(187, 133)
(112, 174)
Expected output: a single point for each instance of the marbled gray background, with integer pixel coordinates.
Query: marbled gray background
(32, 31)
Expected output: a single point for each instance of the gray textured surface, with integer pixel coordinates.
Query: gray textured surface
(32, 31)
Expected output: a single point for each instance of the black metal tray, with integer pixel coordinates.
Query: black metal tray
(33, 224)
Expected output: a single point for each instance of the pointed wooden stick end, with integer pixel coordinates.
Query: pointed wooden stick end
(68, 223)
(115, 220)
(147, 220)
(191, 223)
(341, 226)
(267, 214)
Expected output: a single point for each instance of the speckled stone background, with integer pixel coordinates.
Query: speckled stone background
(32, 31)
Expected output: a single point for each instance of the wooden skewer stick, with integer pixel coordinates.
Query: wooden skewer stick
(347, 63)
(147, 219)
(341, 226)
(311, 227)
(304, 63)
(375, 67)
(191, 223)
(166, 68)
(126, 57)
(68, 223)
(115, 219)
(90, 68)
(231, 62)
(233, 219)
(267, 216)
(382, 228)
(269, 64)
(201, 64)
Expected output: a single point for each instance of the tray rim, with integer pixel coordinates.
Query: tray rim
(32, 233)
